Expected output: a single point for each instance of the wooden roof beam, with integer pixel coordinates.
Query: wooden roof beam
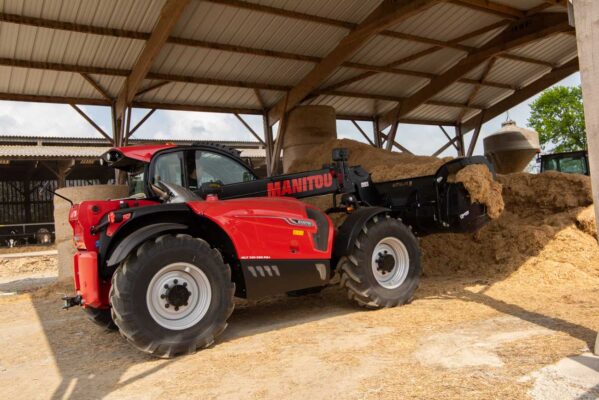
(169, 15)
(523, 94)
(491, 8)
(388, 13)
(519, 33)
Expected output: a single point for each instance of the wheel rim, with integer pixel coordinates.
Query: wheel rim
(390, 262)
(178, 296)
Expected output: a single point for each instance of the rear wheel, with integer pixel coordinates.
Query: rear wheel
(101, 317)
(173, 296)
(383, 267)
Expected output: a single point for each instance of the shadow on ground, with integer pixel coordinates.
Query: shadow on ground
(91, 360)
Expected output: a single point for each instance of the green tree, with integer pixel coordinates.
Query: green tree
(558, 116)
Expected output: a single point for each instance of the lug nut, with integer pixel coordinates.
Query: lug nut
(162, 296)
(184, 284)
(185, 303)
(176, 281)
(167, 305)
(166, 286)
(177, 308)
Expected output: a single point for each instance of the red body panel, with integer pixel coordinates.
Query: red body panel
(82, 217)
(260, 228)
(142, 153)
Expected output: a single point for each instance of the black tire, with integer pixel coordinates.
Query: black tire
(101, 317)
(356, 270)
(130, 308)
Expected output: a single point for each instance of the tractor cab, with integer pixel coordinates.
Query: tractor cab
(149, 167)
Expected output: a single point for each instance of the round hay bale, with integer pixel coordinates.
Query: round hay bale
(62, 228)
(307, 127)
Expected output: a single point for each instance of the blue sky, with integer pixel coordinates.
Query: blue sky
(35, 119)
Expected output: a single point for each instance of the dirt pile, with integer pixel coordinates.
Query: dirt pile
(385, 166)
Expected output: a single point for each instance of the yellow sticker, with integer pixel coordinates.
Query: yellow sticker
(297, 232)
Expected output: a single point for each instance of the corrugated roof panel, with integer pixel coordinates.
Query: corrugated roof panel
(514, 72)
(348, 105)
(202, 95)
(437, 62)
(457, 93)
(49, 45)
(480, 40)
(487, 96)
(520, 4)
(435, 113)
(555, 49)
(382, 50)
(345, 10)
(388, 84)
(118, 14)
(45, 83)
(229, 25)
(175, 59)
(446, 21)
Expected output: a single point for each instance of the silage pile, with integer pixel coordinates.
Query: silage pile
(546, 229)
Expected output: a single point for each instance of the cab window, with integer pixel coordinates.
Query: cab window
(206, 166)
(169, 168)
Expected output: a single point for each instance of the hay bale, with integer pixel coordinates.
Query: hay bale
(63, 230)
(307, 127)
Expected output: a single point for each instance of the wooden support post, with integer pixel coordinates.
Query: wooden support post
(278, 145)
(586, 16)
(392, 134)
(446, 145)
(475, 135)
(269, 142)
(459, 141)
(377, 133)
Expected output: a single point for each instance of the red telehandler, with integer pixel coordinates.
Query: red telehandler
(199, 228)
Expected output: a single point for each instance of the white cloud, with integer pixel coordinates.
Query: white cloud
(42, 119)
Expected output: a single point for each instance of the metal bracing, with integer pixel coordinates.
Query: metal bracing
(359, 128)
(249, 128)
(141, 122)
(451, 140)
(91, 122)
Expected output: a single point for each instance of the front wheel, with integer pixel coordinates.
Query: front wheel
(172, 296)
(383, 267)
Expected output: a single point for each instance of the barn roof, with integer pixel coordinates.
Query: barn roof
(422, 61)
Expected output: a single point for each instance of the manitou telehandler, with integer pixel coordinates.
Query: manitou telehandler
(199, 228)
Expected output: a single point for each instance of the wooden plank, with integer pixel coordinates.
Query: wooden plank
(169, 15)
(519, 33)
(385, 15)
(523, 94)
(278, 144)
(193, 107)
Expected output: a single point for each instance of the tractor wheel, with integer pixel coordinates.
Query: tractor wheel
(383, 268)
(101, 317)
(172, 296)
